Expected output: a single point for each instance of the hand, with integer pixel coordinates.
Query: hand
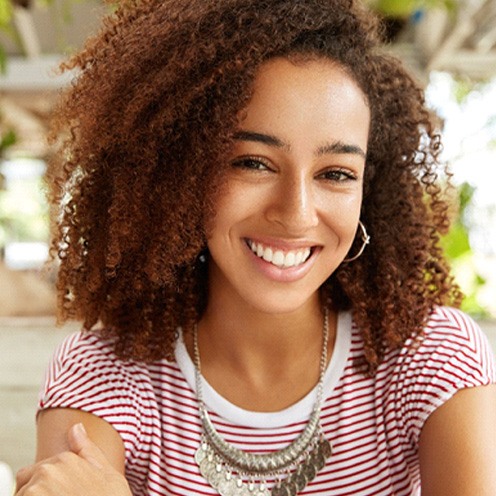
(82, 471)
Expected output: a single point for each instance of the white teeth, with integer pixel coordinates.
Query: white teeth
(290, 259)
(278, 257)
(267, 255)
(298, 258)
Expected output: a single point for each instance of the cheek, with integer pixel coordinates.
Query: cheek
(341, 223)
(229, 209)
(219, 205)
(342, 210)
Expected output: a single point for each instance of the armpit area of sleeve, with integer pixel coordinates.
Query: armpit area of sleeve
(84, 374)
(459, 357)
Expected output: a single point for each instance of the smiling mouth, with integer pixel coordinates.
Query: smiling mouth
(279, 258)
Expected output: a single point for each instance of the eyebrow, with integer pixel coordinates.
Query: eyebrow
(266, 139)
(328, 148)
(340, 147)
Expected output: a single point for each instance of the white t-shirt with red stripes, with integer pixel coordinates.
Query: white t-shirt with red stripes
(373, 423)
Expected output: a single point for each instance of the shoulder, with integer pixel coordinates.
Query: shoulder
(89, 353)
(451, 324)
(458, 461)
(452, 348)
(86, 374)
(85, 343)
(450, 340)
(452, 354)
(453, 341)
(86, 361)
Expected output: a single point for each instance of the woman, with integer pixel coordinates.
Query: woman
(251, 214)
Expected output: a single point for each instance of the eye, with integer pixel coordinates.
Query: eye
(252, 163)
(338, 175)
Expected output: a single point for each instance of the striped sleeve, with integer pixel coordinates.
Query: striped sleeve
(85, 374)
(453, 354)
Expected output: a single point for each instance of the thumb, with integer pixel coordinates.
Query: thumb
(82, 445)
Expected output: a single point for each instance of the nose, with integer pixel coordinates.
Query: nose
(293, 205)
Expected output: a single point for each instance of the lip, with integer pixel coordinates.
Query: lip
(283, 274)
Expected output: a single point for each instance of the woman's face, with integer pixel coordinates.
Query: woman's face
(291, 203)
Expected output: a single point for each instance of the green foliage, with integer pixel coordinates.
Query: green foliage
(5, 13)
(3, 60)
(464, 87)
(456, 245)
(8, 139)
(405, 8)
(27, 221)
(63, 12)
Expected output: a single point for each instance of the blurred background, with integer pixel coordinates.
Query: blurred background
(450, 45)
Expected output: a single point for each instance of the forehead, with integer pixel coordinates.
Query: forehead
(328, 77)
(306, 99)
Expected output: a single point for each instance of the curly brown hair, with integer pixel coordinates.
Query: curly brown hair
(146, 127)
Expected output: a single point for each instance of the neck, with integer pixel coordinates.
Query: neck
(257, 360)
(238, 330)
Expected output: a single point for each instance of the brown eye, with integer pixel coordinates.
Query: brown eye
(250, 163)
(338, 175)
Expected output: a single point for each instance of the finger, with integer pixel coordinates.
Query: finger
(24, 475)
(82, 445)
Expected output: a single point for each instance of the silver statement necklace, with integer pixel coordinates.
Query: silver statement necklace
(234, 472)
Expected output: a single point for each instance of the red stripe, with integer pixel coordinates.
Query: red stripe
(373, 423)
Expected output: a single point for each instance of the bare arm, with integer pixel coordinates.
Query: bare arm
(458, 446)
(77, 454)
(54, 424)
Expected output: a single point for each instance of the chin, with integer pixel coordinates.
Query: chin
(280, 303)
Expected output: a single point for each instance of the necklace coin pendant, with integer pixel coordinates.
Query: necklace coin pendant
(228, 487)
(318, 460)
(261, 489)
(309, 470)
(299, 480)
(200, 455)
(206, 467)
(218, 460)
(325, 448)
(290, 487)
(219, 476)
(279, 491)
(215, 476)
(244, 491)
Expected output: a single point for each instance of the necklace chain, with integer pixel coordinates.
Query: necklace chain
(218, 459)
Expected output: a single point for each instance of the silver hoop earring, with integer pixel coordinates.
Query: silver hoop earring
(365, 241)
